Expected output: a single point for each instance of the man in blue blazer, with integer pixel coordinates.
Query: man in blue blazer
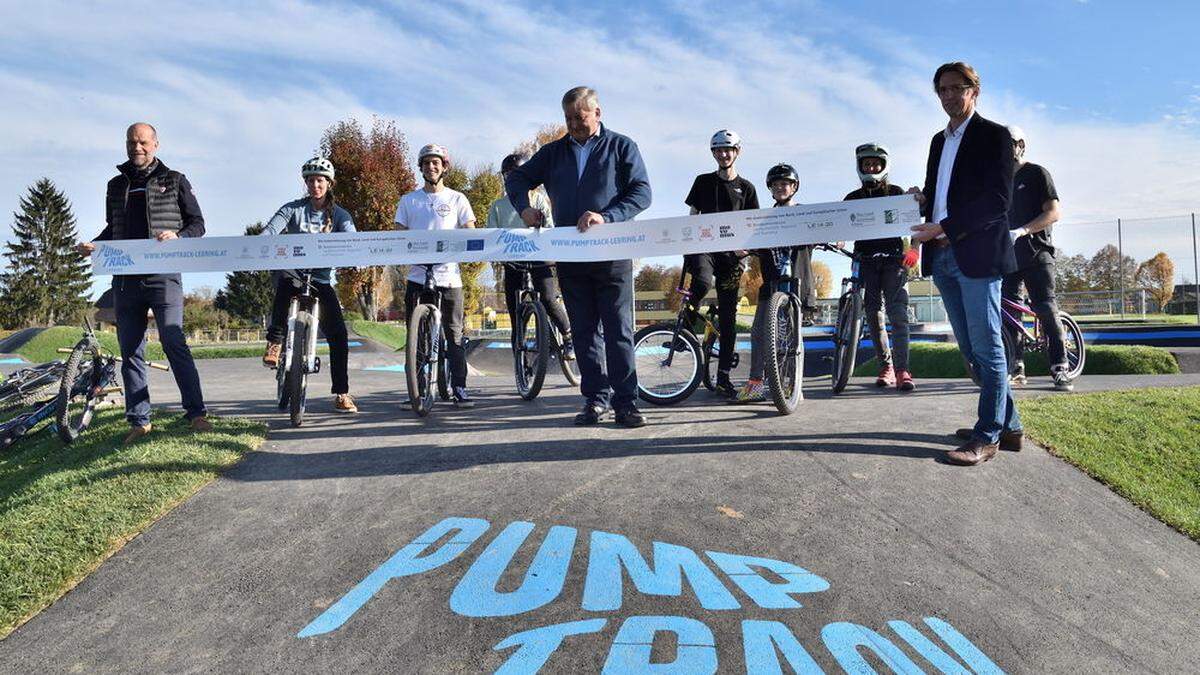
(593, 175)
(967, 249)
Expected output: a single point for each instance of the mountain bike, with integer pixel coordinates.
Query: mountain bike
(535, 338)
(847, 333)
(1019, 340)
(29, 385)
(425, 359)
(89, 376)
(299, 357)
(782, 342)
(671, 361)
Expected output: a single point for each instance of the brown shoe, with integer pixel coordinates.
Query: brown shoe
(271, 357)
(200, 424)
(344, 403)
(972, 452)
(136, 433)
(1010, 441)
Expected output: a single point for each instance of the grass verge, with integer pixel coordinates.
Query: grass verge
(43, 347)
(65, 509)
(390, 334)
(939, 360)
(1142, 443)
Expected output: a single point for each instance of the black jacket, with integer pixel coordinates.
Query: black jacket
(170, 203)
(977, 203)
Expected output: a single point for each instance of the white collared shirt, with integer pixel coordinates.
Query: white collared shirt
(945, 166)
(583, 151)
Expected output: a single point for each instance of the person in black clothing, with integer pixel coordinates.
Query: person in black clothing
(884, 273)
(1033, 212)
(146, 200)
(718, 192)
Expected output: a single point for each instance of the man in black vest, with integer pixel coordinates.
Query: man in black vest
(146, 200)
(967, 250)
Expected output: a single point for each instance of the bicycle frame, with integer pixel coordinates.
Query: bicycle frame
(432, 295)
(1014, 314)
(306, 300)
(686, 314)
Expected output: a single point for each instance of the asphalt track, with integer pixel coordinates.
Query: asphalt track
(1029, 565)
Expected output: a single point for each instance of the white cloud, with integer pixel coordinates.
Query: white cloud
(241, 93)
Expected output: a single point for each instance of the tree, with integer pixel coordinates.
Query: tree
(1070, 274)
(247, 295)
(650, 277)
(668, 283)
(373, 171)
(47, 281)
(1158, 276)
(822, 279)
(1108, 268)
(549, 132)
(200, 312)
(482, 186)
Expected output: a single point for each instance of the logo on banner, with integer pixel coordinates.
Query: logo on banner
(726, 231)
(264, 252)
(686, 232)
(862, 219)
(281, 252)
(516, 244)
(891, 216)
(418, 246)
(474, 244)
(113, 258)
(666, 237)
(706, 234)
(298, 251)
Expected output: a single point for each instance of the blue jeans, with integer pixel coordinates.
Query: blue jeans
(162, 294)
(973, 308)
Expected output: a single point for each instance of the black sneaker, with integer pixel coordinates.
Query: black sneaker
(631, 418)
(724, 387)
(461, 399)
(568, 350)
(592, 413)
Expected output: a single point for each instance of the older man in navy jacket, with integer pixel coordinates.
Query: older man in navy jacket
(967, 250)
(593, 175)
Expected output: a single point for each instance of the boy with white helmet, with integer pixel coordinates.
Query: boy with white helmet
(318, 212)
(437, 207)
(720, 191)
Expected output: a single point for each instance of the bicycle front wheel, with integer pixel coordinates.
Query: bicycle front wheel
(845, 339)
(1075, 351)
(78, 390)
(784, 352)
(297, 376)
(419, 359)
(443, 370)
(668, 365)
(530, 349)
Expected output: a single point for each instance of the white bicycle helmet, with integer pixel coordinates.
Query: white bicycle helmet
(1018, 135)
(877, 151)
(317, 166)
(434, 150)
(725, 139)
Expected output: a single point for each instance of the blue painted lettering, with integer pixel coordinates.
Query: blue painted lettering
(476, 594)
(759, 640)
(766, 594)
(630, 653)
(843, 639)
(610, 552)
(538, 644)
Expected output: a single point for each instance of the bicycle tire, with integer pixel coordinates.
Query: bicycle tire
(570, 369)
(649, 345)
(1076, 353)
(845, 339)
(529, 360)
(297, 377)
(784, 352)
(418, 369)
(81, 376)
(710, 343)
(29, 383)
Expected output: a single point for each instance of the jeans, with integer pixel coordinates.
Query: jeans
(599, 299)
(162, 294)
(329, 320)
(885, 285)
(452, 327)
(725, 269)
(973, 308)
(1039, 283)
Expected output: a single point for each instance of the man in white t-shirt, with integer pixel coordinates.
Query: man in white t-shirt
(437, 207)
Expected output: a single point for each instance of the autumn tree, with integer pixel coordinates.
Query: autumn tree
(1158, 276)
(1071, 274)
(650, 277)
(822, 279)
(373, 171)
(482, 186)
(1108, 269)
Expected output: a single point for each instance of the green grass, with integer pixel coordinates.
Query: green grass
(389, 334)
(65, 509)
(1183, 319)
(941, 360)
(1144, 444)
(43, 347)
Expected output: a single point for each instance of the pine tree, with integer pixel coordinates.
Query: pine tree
(46, 282)
(247, 295)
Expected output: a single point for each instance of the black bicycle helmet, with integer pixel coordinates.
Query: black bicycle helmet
(784, 171)
(513, 161)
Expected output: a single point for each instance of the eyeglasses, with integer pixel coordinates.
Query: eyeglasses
(956, 89)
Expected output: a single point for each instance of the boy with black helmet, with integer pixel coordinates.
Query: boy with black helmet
(884, 279)
(717, 192)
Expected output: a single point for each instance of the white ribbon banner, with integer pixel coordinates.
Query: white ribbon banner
(736, 230)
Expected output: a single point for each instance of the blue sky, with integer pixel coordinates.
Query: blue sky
(1108, 92)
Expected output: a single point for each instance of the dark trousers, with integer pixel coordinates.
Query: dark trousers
(599, 298)
(329, 319)
(543, 282)
(1039, 283)
(133, 297)
(725, 270)
(885, 287)
(452, 327)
